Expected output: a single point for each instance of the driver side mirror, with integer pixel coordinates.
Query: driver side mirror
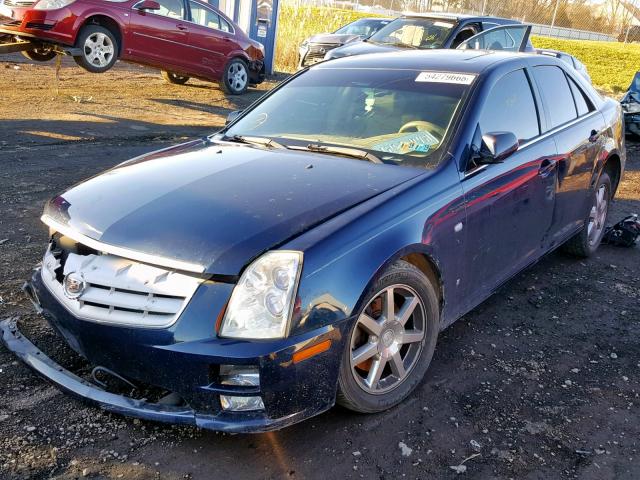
(496, 147)
(147, 5)
(232, 116)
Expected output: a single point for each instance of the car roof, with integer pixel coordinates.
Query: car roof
(371, 18)
(461, 16)
(458, 61)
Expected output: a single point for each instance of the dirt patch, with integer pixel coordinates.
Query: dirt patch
(540, 381)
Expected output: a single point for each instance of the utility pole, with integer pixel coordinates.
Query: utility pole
(555, 12)
(633, 15)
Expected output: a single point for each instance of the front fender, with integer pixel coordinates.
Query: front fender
(345, 255)
(116, 15)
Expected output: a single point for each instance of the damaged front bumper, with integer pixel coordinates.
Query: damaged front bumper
(188, 367)
(632, 123)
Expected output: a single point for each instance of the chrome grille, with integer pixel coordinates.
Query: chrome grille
(19, 3)
(118, 290)
(317, 52)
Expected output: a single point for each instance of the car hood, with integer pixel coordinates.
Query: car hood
(359, 48)
(218, 206)
(333, 38)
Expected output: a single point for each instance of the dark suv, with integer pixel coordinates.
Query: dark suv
(421, 32)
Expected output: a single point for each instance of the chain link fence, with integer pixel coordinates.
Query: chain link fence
(600, 20)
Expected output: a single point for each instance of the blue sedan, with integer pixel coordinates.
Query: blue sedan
(311, 251)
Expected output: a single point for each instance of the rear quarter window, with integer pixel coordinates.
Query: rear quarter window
(583, 104)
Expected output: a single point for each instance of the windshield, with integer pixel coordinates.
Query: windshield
(364, 28)
(414, 33)
(400, 116)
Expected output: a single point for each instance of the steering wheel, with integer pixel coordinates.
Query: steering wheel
(421, 125)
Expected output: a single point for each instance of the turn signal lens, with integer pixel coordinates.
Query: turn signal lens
(311, 351)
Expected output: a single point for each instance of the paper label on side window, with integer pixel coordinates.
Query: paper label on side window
(446, 77)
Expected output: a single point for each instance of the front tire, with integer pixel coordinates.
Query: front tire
(99, 49)
(174, 78)
(235, 79)
(41, 54)
(391, 343)
(586, 241)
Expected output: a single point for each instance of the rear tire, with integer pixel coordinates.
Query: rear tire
(99, 49)
(235, 79)
(174, 78)
(384, 360)
(586, 241)
(42, 54)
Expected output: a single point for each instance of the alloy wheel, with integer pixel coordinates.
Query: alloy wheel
(237, 76)
(98, 49)
(598, 215)
(388, 339)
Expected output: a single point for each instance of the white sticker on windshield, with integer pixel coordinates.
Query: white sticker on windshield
(446, 77)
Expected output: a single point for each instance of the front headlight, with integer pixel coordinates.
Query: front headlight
(52, 4)
(262, 302)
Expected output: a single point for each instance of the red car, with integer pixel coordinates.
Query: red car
(183, 38)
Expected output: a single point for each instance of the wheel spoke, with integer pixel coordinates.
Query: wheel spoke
(369, 324)
(377, 366)
(389, 304)
(412, 336)
(397, 365)
(363, 353)
(407, 309)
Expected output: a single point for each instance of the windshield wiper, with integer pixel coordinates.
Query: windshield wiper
(344, 151)
(262, 141)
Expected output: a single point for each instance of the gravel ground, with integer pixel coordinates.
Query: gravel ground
(538, 382)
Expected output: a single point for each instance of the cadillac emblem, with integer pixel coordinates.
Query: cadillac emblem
(74, 285)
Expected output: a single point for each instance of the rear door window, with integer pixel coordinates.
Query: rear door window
(510, 107)
(556, 94)
(207, 17)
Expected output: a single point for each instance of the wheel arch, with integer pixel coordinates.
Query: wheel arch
(109, 23)
(613, 166)
(420, 257)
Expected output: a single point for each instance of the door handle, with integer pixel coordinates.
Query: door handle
(182, 27)
(546, 167)
(594, 136)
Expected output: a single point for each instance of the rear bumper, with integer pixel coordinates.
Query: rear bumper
(256, 72)
(187, 366)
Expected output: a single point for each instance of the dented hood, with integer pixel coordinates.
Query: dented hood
(333, 38)
(360, 48)
(217, 206)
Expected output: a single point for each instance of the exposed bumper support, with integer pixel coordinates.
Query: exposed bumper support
(72, 384)
(24, 45)
(14, 47)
